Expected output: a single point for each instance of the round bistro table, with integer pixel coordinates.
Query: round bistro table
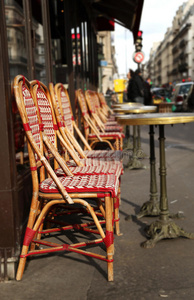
(126, 105)
(136, 108)
(164, 227)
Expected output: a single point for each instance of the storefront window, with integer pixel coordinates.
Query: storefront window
(58, 43)
(17, 65)
(18, 40)
(39, 46)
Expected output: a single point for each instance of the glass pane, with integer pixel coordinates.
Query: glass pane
(58, 43)
(38, 42)
(16, 38)
(17, 65)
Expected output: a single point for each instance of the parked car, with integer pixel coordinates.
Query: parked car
(160, 94)
(180, 95)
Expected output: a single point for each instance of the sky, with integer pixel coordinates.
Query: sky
(157, 16)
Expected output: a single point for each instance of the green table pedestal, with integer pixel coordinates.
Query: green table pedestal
(165, 227)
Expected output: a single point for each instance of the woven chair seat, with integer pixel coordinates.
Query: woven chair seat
(83, 184)
(113, 128)
(111, 118)
(93, 170)
(115, 135)
(116, 154)
(112, 122)
(96, 162)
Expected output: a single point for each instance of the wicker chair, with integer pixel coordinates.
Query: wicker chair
(103, 116)
(107, 111)
(64, 115)
(96, 116)
(113, 138)
(55, 190)
(94, 166)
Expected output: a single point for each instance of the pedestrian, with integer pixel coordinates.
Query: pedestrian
(130, 96)
(147, 93)
(136, 87)
(190, 100)
(109, 91)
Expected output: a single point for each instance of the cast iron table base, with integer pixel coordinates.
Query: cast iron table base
(135, 163)
(164, 228)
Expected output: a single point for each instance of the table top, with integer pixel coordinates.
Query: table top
(136, 109)
(126, 104)
(155, 118)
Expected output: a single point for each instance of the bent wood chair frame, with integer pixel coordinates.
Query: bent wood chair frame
(37, 140)
(95, 136)
(42, 96)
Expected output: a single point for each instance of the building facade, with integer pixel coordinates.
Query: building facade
(107, 65)
(172, 60)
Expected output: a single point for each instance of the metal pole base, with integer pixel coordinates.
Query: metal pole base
(135, 164)
(178, 215)
(160, 229)
(141, 154)
(129, 144)
(149, 208)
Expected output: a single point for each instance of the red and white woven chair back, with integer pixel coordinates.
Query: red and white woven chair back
(96, 101)
(103, 104)
(90, 101)
(84, 111)
(66, 107)
(102, 100)
(58, 113)
(32, 115)
(46, 114)
(82, 102)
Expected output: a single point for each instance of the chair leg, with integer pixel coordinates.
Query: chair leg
(101, 208)
(117, 144)
(29, 235)
(116, 216)
(109, 237)
(22, 263)
(121, 144)
(93, 215)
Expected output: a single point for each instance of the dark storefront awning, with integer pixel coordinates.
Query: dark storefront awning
(125, 12)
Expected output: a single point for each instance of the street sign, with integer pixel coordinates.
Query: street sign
(103, 63)
(138, 57)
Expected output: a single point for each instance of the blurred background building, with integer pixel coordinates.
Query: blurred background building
(171, 60)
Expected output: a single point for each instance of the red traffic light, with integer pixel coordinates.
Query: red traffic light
(73, 36)
(139, 34)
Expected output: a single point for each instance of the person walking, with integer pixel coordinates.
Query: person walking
(135, 89)
(138, 87)
(130, 96)
(147, 93)
(190, 101)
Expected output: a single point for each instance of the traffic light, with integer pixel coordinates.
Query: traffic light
(76, 50)
(138, 41)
